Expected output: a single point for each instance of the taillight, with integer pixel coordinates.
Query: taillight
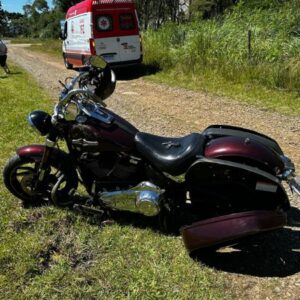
(93, 46)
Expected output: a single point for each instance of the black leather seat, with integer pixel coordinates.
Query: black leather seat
(170, 155)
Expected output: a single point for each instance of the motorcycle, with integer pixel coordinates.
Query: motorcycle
(214, 187)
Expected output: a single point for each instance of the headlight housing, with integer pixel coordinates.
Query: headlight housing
(40, 121)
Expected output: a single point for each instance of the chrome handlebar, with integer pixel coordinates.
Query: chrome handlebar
(69, 93)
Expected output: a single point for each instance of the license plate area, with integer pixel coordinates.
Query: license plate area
(109, 57)
(295, 185)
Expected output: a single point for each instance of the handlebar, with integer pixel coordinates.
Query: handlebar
(69, 92)
(68, 97)
(94, 82)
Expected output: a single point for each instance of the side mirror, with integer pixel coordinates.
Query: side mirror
(97, 62)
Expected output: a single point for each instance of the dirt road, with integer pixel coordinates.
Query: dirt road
(268, 269)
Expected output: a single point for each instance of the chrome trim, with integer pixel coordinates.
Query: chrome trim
(289, 168)
(92, 110)
(85, 143)
(76, 92)
(143, 198)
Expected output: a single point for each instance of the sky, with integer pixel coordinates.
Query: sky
(17, 5)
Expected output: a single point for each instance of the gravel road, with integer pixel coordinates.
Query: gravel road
(267, 268)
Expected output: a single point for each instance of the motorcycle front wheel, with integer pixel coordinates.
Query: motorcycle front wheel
(20, 177)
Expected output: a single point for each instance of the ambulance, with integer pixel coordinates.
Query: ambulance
(108, 28)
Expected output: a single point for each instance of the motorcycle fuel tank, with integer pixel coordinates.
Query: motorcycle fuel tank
(92, 135)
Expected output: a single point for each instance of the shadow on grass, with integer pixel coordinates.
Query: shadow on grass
(6, 76)
(15, 73)
(272, 254)
(135, 72)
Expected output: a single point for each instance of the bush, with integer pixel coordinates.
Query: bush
(221, 44)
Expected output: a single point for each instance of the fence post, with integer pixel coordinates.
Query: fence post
(249, 44)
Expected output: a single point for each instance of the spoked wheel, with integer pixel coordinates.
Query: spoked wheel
(20, 177)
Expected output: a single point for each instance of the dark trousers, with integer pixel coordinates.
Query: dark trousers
(3, 60)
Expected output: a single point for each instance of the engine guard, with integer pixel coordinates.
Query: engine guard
(218, 230)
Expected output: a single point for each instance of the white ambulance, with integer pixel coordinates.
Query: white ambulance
(102, 27)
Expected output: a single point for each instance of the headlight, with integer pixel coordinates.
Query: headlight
(71, 111)
(40, 121)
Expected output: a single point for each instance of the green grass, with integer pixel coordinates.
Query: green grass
(214, 84)
(25, 40)
(49, 253)
(52, 47)
(49, 46)
(212, 54)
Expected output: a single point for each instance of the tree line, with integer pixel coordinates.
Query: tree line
(38, 21)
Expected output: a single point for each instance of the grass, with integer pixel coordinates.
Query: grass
(213, 55)
(50, 46)
(212, 83)
(49, 253)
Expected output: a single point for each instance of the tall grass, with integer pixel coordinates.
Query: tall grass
(221, 45)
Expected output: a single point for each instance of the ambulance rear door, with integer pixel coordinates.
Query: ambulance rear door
(106, 41)
(129, 39)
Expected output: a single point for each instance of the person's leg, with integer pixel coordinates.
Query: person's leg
(2, 61)
(6, 69)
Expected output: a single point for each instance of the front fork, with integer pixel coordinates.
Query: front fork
(50, 143)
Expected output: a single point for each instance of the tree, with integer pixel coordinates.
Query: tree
(209, 8)
(3, 21)
(40, 5)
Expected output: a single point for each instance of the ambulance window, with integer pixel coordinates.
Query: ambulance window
(126, 22)
(104, 23)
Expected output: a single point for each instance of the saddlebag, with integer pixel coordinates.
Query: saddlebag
(232, 187)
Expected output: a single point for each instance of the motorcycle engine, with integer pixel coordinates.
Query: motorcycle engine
(101, 158)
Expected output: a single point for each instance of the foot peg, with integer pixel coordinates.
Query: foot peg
(88, 210)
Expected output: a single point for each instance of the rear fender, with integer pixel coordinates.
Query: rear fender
(245, 150)
(216, 131)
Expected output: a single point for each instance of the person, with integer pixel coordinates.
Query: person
(3, 56)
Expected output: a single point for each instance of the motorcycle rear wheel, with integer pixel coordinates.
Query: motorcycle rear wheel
(20, 176)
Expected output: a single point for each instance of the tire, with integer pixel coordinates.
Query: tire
(20, 174)
(67, 65)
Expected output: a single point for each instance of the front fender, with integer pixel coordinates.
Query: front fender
(58, 158)
(32, 151)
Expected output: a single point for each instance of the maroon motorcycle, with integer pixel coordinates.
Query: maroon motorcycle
(215, 187)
